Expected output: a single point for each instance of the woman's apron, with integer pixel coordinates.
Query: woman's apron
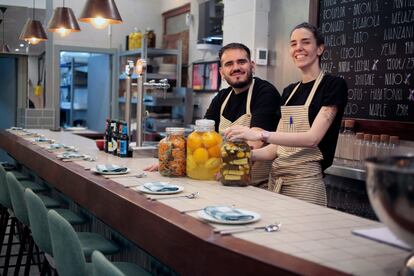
(296, 171)
(260, 169)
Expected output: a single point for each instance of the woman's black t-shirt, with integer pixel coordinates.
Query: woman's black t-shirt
(332, 91)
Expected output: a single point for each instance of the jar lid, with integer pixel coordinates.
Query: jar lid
(172, 130)
(205, 123)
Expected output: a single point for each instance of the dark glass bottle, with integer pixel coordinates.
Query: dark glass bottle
(107, 134)
(123, 140)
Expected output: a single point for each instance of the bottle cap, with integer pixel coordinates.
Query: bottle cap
(395, 140)
(360, 136)
(204, 125)
(175, 130)
(375, 138)
(349, 123)
(385, 138)
(367, 137)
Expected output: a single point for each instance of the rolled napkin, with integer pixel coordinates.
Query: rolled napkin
(71, 155)
(43, 139)
(227, 213)
(56, 146)
(110, 168)
(160, 187)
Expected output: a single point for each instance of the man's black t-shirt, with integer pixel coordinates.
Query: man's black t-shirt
(264, 106)
(331, 91)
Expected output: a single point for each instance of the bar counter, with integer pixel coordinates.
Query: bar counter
(313, 239)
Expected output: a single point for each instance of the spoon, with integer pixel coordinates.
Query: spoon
(268, 228)
(189, 196)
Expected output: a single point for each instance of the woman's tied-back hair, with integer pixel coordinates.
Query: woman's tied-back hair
(234, 46)
(318, 36)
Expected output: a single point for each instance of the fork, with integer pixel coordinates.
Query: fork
(189, 196)
(274, 227)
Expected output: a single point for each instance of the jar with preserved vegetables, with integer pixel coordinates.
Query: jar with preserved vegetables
(203, 151)
(150, 38)
(236, 166)
(171, 153)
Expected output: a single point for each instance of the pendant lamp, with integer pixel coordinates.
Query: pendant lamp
(63, 21)
(33, 31)
(4, 47)
(100, 13)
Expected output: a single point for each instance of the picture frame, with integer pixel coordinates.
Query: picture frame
(206, 76)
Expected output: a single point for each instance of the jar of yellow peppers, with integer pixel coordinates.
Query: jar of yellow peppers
(203, 151)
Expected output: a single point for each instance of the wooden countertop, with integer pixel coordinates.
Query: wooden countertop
(313, 240)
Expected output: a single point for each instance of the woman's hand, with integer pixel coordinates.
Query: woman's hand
(242, 132)
(152, 168)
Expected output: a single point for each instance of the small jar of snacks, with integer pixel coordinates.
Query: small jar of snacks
(203, 151)
(236, 165)
(171, 153)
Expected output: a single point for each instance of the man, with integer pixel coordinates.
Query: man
(248, 101)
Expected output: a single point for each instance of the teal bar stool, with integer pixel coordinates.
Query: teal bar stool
(19, 175)
(42, 235)
(16, 191)
(68, 254)
(103, 267)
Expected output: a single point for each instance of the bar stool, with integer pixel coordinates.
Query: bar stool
(42, 234)
(103, 267)
(16, 191)
(67, 250)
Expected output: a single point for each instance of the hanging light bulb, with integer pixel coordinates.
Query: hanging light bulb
(100, 13)
(33, 31)
(63, 21)
(4, 47)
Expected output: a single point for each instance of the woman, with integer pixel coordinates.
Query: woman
(304, 144)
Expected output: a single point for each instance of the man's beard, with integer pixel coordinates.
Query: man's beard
(241, 84)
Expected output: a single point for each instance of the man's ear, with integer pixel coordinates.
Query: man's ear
(221, 72)
(253, 67)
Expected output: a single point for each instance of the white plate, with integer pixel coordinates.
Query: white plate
(145, 190)
(74, 128)
(202, 214)
(109, 173)
(61, 156)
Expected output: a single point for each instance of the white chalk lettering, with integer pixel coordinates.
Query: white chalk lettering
(361, 65)
(365, 79)
(344, 66)
(393, 78)
(360, 37)
(378, 110)
(402, 110)
(389, 49)
(365, 22)
(399, 32)
(352, 52)
(409, 47)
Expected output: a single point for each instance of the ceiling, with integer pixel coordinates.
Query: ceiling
(14, 20)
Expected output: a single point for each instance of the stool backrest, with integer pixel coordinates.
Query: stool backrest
(4, 190)
(103, 267)
(16, 191)
(37, 213)
(67, 250)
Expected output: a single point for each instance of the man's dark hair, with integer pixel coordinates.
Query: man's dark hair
(318, 36)
(234, 46)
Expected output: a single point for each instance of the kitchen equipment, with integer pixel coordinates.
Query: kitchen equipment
(390, 186)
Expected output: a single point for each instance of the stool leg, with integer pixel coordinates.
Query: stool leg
(29, 256)
(21, 249)
(9, 246)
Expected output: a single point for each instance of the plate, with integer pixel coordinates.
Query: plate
(145, 190)
(75, 128)
(202, 214)
(109, 173)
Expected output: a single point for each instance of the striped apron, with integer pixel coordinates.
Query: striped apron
(296, 171)
(260, 170)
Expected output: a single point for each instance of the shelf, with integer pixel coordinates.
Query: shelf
(151, 52)
(151, 76)
(347, 172)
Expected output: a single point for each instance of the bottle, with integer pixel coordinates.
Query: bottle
(338, 151)
(111, 133)
(107, 134)
(358, 149)
(348, 142)
(131, 41)
(171, 153)
(374, 147)
(114, 137)
(235, 163)
(203, 151)
(150, 35)
(365, 149)
(384, 145)
(123, 140)
(394, 145)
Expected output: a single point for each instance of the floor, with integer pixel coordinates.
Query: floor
(34, 270)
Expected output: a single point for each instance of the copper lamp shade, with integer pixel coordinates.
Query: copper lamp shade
(100, 13)
(33, 32)
(63, 21)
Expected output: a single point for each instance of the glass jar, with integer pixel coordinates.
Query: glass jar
(203, 151)
(171, 153)
(235, 163)
(150, 35)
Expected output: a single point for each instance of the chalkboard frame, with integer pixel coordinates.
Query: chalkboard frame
(405, 130)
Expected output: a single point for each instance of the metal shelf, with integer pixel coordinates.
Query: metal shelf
(347, 172)
(152, 52)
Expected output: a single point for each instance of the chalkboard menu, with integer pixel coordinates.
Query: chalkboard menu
(371, 45)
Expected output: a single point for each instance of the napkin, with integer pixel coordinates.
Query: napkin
(71, 154)
(42, 139)
(56, 146)
(227, 213)
(110, 168)
(160, 187)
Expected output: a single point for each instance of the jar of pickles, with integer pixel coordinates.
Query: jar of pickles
(203, 151)
(171, 153)
(235, 167)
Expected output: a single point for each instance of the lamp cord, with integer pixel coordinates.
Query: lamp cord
(34, 9)
(63, 3)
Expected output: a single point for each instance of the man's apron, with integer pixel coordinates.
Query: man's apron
(296, 171)
(260, 170)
